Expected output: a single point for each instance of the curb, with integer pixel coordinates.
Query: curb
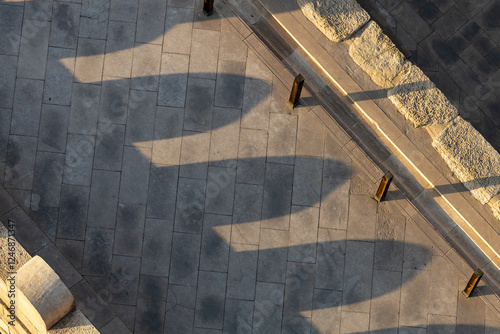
(469, 229)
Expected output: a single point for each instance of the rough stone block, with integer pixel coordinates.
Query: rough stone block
(338, 20)
(377, 55)
(473, 160)
(420, 101)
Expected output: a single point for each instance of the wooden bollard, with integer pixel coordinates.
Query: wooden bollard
(384, 185)
(208, 7)
(474, 280)
(298, 83)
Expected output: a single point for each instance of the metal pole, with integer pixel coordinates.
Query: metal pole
(384, 185)
(475, 278)
(296, 90)
(208, 7)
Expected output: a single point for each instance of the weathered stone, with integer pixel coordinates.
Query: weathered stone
(473, 160)
(377, 55)
(338, 20)
(420, 101)
(45, 290)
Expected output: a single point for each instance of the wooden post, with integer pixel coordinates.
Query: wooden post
(475, 278)
(208, 7)
(298, 83)
(384, 185)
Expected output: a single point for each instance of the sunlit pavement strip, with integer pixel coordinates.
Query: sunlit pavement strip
(179, 187)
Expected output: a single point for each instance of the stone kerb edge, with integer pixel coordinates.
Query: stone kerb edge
(413, 94)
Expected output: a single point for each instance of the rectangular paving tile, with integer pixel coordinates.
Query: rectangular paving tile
(20, 162)
(141, 118)
(414, 297)
(53, 128)
(59, 76)
(362, 217)
(92, 305)
(466, 78)
(178, 30)
(39, 10)
(247, 214)
(389, 245)
(94, 20)
(282, 137)
(232, 46)
(89, 60)
(303, 234)
(210, 299)
(411, 21)
(224, 142)
(199, 104)
(156, 247)
(385, 300)
(310, 135)
(48, 178)
(190, 205)
(33, 49)
(150, 21)
(11, 20)
(65, 25)
(146, 67)
(256, 104)
(124, 280)
(162, 192)
(204, 54)
(326, 312)
(8, 66)
(109, 146)
(173, 80)
(84, 109)
(78, 164)
(119, 48)
(440, 50)
(185, 259)
(272, 256)
(355, 322)
(114, 100)
(219, 196)
(150, 316)
(215, 243)
(251, 150)
(358, 275)
(103, 199)
(418, 249)
(129, 229)
(179, 320)
(277, 197)
(238, 316)
(230, 84)
(27, 107)
(334, 203)
(299, 289)
(73, 212)
(307, 179)
(444, 287)
(330, 259)
(153, 288)
(268, 308)
(242, 271)
(98, 252)
(135, 175)
(167, 136)
(125, 10)
(194, 155)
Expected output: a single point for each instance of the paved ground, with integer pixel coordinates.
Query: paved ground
(457, 44)
(156, 151)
